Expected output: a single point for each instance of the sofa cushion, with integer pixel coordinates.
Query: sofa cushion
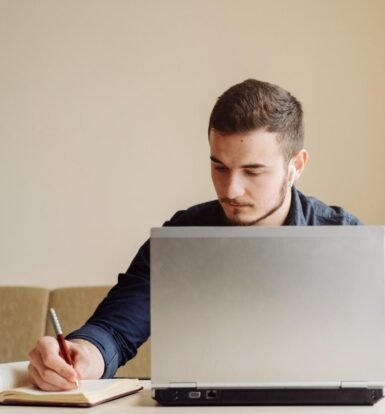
(74, 305)
(23, 313)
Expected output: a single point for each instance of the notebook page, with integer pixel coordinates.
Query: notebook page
(13, 374)
(86, 387)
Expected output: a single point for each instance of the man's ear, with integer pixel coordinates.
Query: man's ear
(299, 161)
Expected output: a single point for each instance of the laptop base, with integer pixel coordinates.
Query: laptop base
(321, 396)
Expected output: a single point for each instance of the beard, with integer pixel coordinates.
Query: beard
(237, 221)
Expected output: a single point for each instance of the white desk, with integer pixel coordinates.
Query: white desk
(143, 403)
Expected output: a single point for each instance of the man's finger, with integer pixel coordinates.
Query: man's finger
(50, 380)
(48, 350)
(48, 376)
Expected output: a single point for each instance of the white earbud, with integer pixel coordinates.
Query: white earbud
(292, 174)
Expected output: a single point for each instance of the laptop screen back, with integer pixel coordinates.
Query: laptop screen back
(283, 305)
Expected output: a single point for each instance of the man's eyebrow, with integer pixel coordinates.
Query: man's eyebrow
(213, 159)
(256, 165)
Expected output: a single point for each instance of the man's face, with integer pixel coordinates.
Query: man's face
(250, 176)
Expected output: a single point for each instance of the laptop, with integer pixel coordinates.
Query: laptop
(267, 315)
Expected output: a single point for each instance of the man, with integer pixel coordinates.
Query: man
(256, 145)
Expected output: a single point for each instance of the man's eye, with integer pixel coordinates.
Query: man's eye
(221, 169)
(252, 173)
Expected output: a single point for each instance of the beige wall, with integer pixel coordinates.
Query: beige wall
(104, 108)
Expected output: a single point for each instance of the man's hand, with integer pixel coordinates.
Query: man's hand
(48, 370)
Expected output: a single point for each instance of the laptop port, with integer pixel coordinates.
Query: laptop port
(211, 395)
(193, 395)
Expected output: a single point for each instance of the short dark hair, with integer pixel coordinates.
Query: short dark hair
(254, 104)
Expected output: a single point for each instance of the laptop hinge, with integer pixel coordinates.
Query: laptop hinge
(182, 385)
(354, 384)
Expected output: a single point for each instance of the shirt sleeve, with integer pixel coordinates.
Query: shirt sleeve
(121, 322)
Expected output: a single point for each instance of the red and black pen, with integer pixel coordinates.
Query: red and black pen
(60, 339)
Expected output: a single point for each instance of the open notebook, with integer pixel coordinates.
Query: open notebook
(90, 393)
(14, 389)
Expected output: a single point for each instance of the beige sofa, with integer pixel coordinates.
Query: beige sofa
(23, 319)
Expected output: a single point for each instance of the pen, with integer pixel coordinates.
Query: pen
(60, 339)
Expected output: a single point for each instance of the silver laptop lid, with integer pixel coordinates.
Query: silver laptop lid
(281, 306)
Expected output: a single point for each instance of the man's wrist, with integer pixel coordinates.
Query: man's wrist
(105, 344)
(90, 353)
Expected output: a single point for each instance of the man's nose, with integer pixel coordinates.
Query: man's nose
(234, 188)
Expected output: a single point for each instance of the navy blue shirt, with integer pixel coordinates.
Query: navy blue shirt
(121, 323)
